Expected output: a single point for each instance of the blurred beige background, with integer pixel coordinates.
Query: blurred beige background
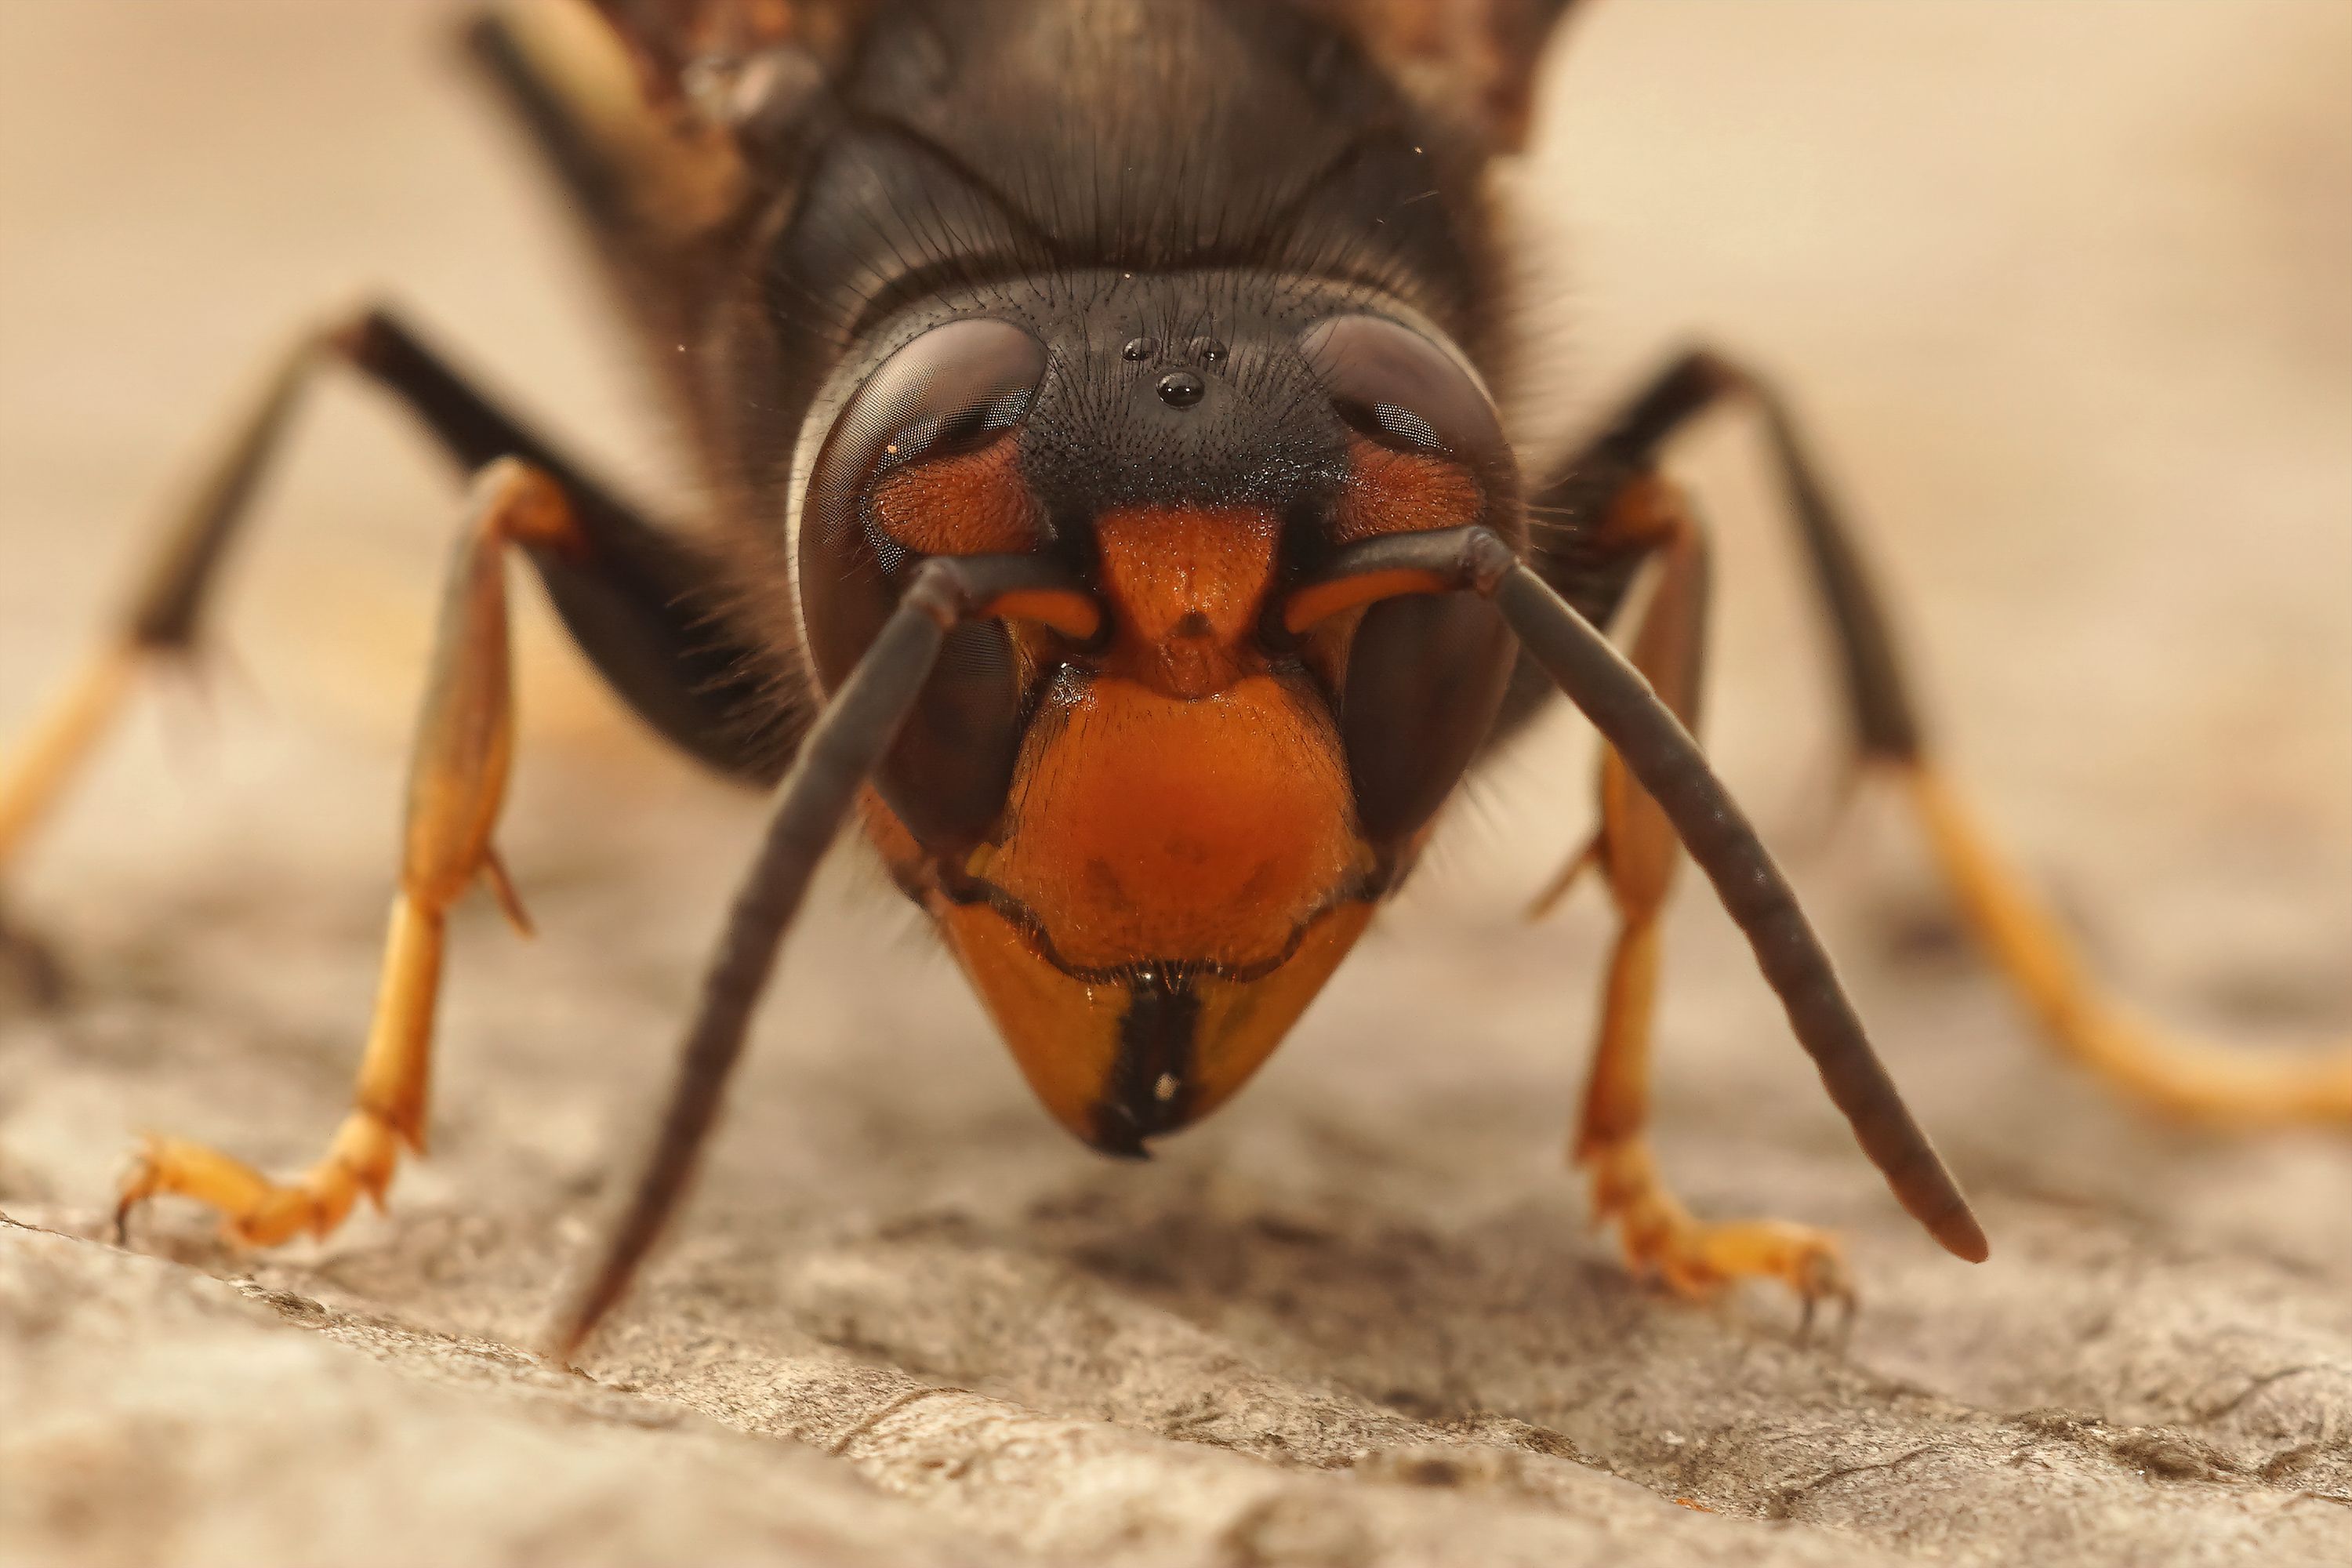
(2062, 286)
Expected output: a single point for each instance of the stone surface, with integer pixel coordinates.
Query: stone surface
(2062, 287)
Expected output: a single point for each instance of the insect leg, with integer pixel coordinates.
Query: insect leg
(632, 599)
(1637, 854)
(163, 614)
(2192, 1080)
(458, 779)
(840, 753)
(640, 602)
(1658, 753)
(636, 601)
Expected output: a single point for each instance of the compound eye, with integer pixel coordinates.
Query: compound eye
(1425, 676)
(918, 463)
(1404, 392)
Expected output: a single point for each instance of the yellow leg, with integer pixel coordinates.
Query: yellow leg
(162, 619)
(1661, 1239)
(2187, 1079)
(60, 741)
(387, 1111)
(458, 779)
(1637, 853)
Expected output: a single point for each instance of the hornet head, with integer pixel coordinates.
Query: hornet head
(1151, 835)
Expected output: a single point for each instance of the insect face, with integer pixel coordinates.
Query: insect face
(1149, 827)
(1152, 563)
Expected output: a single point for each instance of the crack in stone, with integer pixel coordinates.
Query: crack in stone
(1789, 1497)
(2212, 1413)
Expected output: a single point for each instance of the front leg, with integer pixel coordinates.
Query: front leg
(1637, 853)
(464, 742)
(641, 604)
(2191, 1079)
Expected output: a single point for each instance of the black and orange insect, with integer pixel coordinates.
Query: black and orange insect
(1110, 513)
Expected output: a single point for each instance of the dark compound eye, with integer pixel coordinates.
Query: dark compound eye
(1208, 353)
(953, 389)
(1138, 350)
(917, 464)
(1398, 388)
(1425, 677)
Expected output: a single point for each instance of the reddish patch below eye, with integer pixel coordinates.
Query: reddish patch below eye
(1401, 492)
(973, 503)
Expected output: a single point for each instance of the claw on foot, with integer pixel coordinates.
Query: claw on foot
(254, 1210)
(1696, 1258)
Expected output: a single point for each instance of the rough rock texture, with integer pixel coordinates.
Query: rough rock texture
(2063, 287)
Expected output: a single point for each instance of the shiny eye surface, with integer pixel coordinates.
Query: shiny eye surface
(950, 392)
(1404, 391)
(918, 464)
(1425, 676)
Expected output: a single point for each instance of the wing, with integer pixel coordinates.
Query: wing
(1470, 63)
(665, 122)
